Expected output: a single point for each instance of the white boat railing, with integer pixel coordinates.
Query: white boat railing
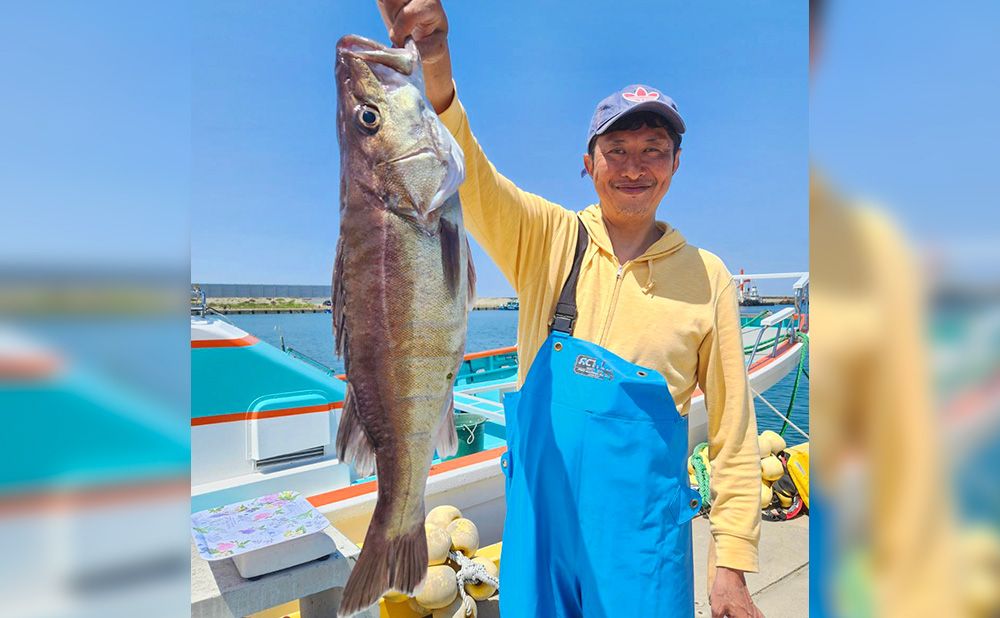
(772, 321)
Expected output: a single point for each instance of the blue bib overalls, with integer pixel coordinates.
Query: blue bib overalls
(598, 501)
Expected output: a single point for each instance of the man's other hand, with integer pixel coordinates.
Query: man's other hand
(730, 597)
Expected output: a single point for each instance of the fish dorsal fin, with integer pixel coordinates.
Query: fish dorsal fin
(337, 303)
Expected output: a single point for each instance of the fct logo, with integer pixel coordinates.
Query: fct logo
(590, 367)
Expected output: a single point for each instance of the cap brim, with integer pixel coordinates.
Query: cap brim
(656, 107)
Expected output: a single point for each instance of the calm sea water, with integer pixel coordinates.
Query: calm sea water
(311, 334)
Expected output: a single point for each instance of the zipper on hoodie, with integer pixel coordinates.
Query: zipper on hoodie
(614, 303)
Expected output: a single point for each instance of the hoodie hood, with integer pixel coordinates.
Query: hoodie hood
(671, 242)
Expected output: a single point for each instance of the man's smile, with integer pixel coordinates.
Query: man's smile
(633, 188)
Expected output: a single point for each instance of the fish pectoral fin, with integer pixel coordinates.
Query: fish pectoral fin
(446, 440)
(472, 273)
(353, 445)
(451, 255)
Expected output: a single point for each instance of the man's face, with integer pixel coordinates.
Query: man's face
(632, 171)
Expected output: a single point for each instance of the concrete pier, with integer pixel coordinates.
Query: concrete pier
(780, 589)
(218, 591)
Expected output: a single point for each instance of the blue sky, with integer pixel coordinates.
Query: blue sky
(904, 114)
(95, 119)
(264, 147)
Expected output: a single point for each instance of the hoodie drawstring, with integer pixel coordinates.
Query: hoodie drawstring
(649, 277)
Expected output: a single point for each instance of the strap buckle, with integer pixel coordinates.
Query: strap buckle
(562, 322)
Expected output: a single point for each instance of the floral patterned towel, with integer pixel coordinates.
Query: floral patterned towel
(227, 531)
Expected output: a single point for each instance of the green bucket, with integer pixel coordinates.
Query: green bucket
(471, 429)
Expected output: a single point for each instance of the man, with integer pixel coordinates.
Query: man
(598, 506)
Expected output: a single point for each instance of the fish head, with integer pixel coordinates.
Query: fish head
(391, 140)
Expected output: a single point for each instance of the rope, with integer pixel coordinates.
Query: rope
(470, 573)
(795, 386)
(701, 475)
(775, 410)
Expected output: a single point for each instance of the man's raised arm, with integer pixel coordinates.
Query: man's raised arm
(516, 228)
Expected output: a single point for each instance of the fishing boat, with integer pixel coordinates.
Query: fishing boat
(264, 419)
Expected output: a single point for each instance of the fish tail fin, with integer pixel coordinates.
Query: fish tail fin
(353, 445)
(385, 564)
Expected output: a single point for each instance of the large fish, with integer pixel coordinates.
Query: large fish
(402, 287)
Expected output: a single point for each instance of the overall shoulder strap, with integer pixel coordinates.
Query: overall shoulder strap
(565, 316)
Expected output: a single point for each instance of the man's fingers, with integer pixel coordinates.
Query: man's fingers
(389, 9)
(419, 19)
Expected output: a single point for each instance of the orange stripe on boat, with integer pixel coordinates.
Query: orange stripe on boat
(253, 416)
(29, 368)
(242, 342)
(352, 491)
(770, 359)
(485, 353)
(71, 500)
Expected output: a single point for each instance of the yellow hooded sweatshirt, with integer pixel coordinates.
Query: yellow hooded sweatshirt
(673, 309)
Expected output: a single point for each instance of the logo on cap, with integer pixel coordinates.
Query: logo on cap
(641, 95)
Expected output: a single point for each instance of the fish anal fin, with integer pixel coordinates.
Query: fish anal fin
(446, 440)
(353, 445)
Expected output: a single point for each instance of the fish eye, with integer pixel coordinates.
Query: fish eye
(368, 117)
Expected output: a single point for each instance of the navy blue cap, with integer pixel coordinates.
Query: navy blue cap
(634, 98)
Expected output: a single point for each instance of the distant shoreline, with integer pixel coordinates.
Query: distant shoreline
(254, 305)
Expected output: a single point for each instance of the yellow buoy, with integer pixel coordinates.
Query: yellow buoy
(785, 500)
(417, 608)
(438, 544)
(458, 609)
(483, 591)
(766, 495)
(439, 588)
(773, 442)
(764, 446)
(443, 515)
(771, 468)
(464, 536)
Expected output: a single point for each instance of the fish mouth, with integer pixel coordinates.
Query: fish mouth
(354, 42)
(403, 60)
